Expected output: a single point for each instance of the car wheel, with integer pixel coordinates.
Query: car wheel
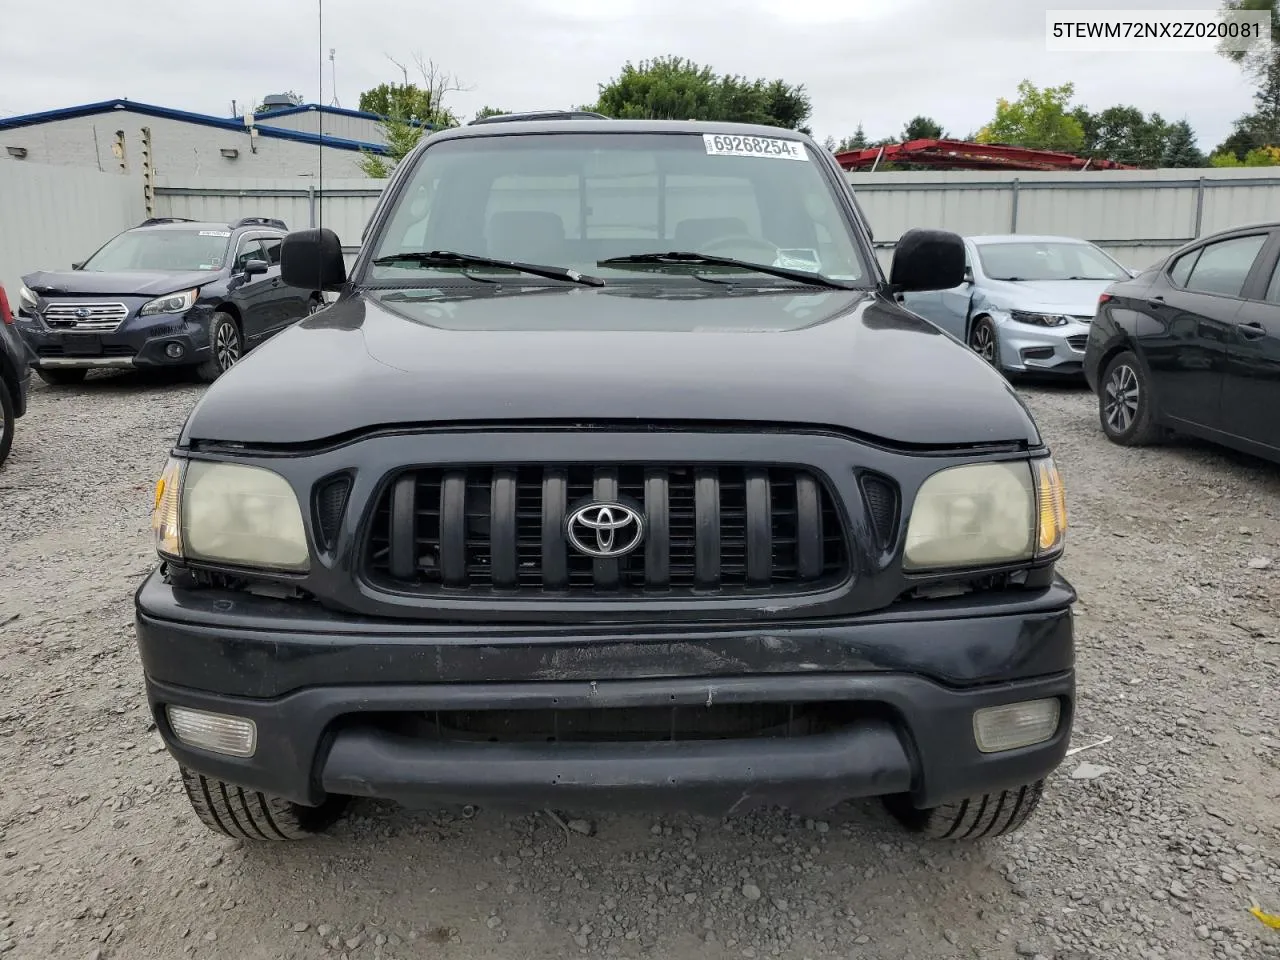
(1124, 403)
(252, 815)
(227, 348)
(61, 378)
(983, 342)
(7, 418)
(975, 818)
(315, 304)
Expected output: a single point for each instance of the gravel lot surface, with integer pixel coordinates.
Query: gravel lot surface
(1157, 848)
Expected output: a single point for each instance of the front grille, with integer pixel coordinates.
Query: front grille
(81, 315)
(91, 348)
(708, 528)
(1078, 342)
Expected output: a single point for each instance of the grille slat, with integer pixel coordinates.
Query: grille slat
(708, 529)
(81, 315)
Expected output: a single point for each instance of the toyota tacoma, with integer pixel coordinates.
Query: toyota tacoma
(613, 475)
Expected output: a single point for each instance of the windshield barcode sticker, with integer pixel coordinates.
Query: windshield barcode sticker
(215, 233)
(726, 145)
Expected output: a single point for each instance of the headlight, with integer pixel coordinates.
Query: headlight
(229, 513)
(173, 303)
(1039, 319)
(987, 514)
(28, 300)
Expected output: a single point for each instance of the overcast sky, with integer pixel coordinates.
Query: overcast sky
(875, 62)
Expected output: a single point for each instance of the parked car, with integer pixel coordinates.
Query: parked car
(1193, 345)
(15, 377)
(1026, 301)
(615, 473)
(167, 293)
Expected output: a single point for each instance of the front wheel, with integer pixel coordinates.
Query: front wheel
(225, 348)
(975, 818)
(251, 815)
(983, 341)
(1124, 403)
(7, 418)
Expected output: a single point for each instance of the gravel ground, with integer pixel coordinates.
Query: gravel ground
(1153, 845)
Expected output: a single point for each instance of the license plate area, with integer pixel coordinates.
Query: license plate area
(81, 345)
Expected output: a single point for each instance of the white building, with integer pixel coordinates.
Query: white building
(115, 136)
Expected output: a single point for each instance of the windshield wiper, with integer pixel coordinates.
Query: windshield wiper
(448, 258)
(689, 257)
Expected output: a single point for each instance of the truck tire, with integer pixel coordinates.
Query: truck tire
(7, 419)
(975, 818)
(61, 378)
(251, 815)
(226, 347)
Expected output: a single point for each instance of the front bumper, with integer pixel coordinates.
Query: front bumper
(139, 342)
(327, 694)
(1026, 348)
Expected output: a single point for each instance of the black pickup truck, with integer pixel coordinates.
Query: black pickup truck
(614, 476)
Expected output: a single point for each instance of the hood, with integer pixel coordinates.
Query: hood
(141, 283)
(840, 359)
(1077, 298)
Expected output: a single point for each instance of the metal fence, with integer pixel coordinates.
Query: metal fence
(50, 216)
(53, 216)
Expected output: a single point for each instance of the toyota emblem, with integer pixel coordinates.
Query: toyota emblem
(605, 530)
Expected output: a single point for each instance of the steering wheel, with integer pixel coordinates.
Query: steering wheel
(716, 246)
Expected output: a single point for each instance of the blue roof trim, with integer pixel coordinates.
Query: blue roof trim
(336, 111)
(168, 113)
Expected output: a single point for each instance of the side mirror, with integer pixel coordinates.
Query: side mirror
(313, 259)
(254, 267)
(77, 265)
(927, 260)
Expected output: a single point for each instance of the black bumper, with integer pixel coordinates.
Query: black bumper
(321, 688)
(139, 343)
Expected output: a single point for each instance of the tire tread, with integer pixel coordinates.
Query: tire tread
(974, 818)
(234, 811)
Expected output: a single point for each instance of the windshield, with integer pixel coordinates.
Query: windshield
(574, 200)
(1047, 260)
(168, 249)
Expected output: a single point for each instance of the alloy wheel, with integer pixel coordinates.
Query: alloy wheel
(983, 342)
(1121, 397)
(227, 346)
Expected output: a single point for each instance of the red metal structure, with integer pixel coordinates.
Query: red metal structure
(962, 155)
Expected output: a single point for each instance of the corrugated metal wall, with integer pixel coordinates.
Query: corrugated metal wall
(1137, 215)
(51, 217)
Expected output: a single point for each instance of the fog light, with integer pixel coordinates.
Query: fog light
(173, 351)
(1015, 724)
(233, 736)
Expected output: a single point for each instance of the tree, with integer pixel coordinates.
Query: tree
(923, 128)
(674, 88)
(1259, 157)
(408, 110)
(1261, 128)
(1124, 134)
(1260, 60)
(490, 112)
(856, 142)
(1180, 149)
(1038, 119)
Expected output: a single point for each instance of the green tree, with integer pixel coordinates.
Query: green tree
(490, 112)
(856, 142)
(406, 100)
(1124, 134)
(674, 88)
(1180, 149)
(1258, 157)
(923, 128)
(1038, 119)
(408, 111)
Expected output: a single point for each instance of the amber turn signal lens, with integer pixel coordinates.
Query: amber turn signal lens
(1051, 499)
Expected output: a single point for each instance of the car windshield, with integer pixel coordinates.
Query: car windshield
(167, 249)
(1047, 260)
(575, 200)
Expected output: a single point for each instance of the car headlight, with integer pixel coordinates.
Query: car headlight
(1040, 319)
(987, 514)
(229, 513)
(173, 303)
(28, 300)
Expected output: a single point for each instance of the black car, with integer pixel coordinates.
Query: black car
(614, 476)
(167, 293)
(1192, 345)
(15, 376)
